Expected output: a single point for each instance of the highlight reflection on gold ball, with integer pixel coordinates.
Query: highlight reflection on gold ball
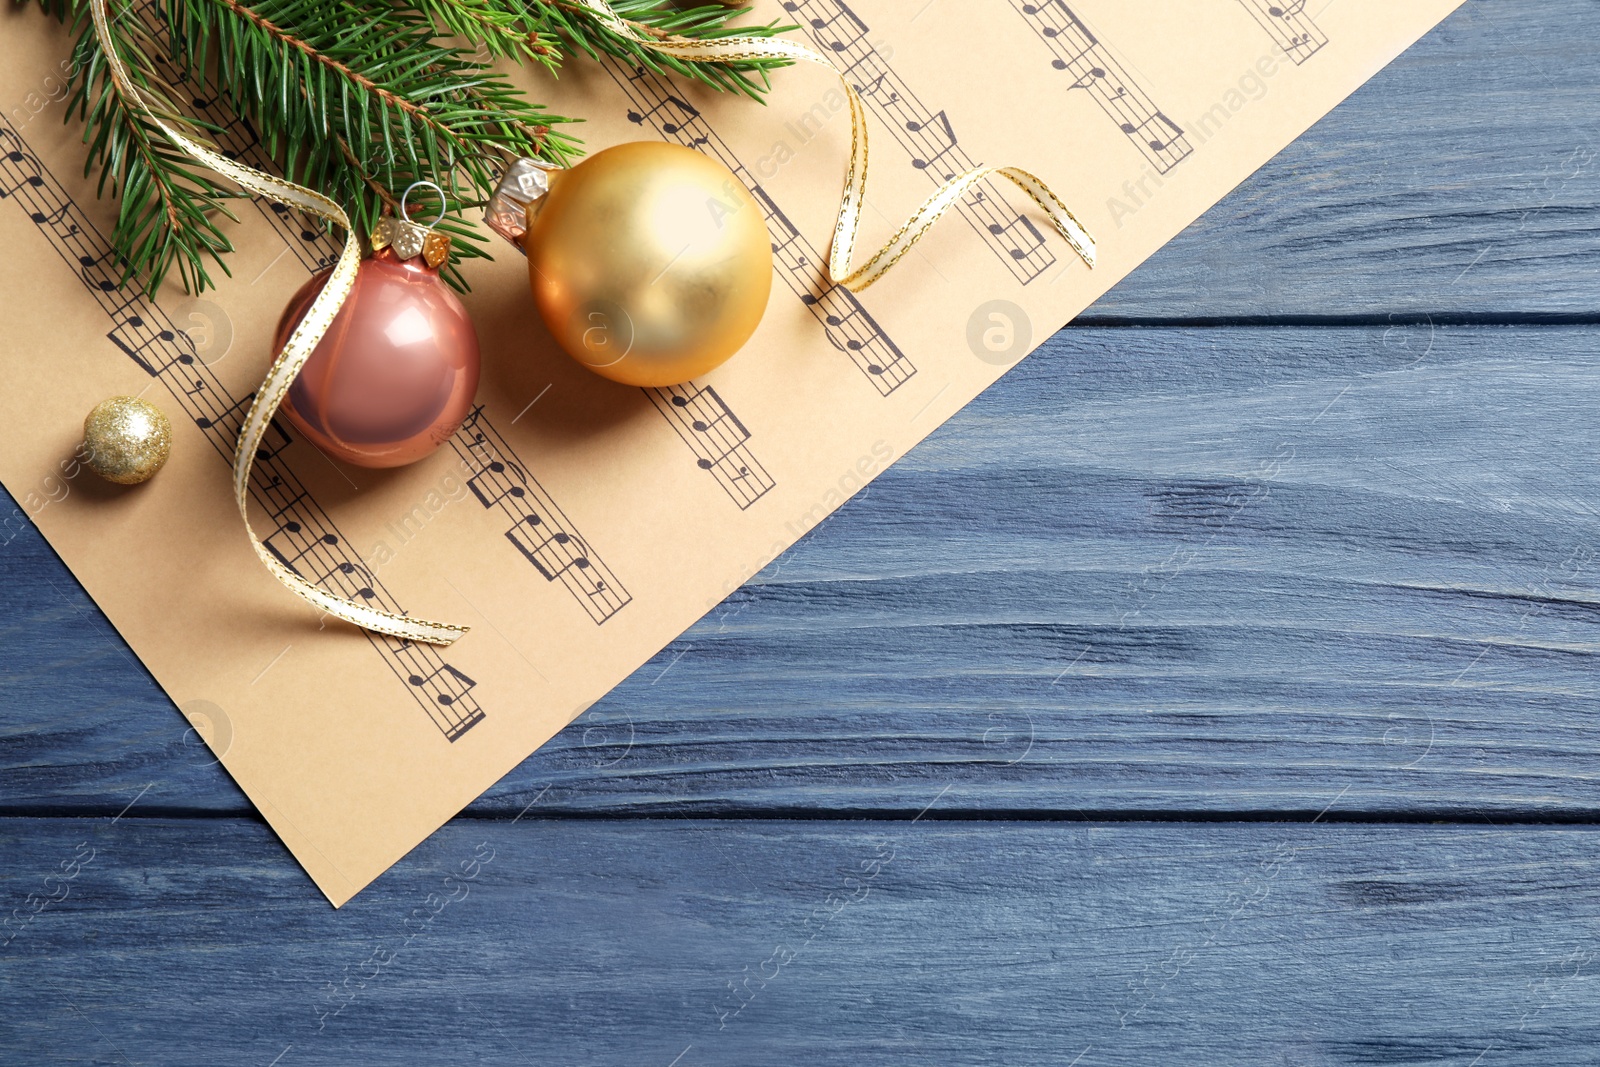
(127, 439)
(650, 263)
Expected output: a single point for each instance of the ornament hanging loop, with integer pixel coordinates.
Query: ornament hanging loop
(405, 215)
(409, 239)
(293, 356)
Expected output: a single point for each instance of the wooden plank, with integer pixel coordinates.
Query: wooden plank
(1463, 180)
(1157, 570)
(699, 943)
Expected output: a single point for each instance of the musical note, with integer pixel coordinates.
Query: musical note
(512, 481)
(553, 555)
(455, 684)
(302, 534)
(836, 320)
(348, 580)
(1289, 26)
(53, 220)
(686, 111)
(93, 273)
(714, 421)
(288, 531)
(269, 448)
(1167, 129)
(1024, 224)
(1094, 70)
(872, 91)
(797, 263)
(941, 122)
(206, 422)
(17, 161)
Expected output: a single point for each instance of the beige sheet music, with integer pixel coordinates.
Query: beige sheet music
(579, 525)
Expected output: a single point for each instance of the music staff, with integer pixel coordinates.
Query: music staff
(719, 441)
(672, 114)
(1092, 68)
(852, 330)
(316, 248)
(437, 685)
(538, 529)
(928, 137)
(301, 534)
(309, 239)
(1289, 26)
(22, 173)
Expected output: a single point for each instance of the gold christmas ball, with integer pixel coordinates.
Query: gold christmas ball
(650, 263)
(127, 439)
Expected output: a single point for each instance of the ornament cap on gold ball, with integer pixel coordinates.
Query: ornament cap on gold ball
(127, 439)
(650, 263)
(522, 186)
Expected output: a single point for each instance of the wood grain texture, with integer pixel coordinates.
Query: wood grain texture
(1303, 530)
(639, 942)
(1178, 570)
(1463, 180)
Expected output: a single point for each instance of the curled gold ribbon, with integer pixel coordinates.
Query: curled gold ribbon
(326, 306)
(295, 352)
(735, 49)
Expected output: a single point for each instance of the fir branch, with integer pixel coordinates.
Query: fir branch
(654, 18)
(375, 70)
(502, 32)
(354, 98)
(360, 100)
(166, 217)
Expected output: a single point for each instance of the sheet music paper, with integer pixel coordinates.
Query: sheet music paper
(579, 525)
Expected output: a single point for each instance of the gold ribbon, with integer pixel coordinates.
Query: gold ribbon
(320, 315)
(294, 355)
(734, 49)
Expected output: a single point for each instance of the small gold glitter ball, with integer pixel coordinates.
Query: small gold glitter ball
(127, 439)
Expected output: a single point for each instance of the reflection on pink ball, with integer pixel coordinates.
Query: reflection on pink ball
(396, 372)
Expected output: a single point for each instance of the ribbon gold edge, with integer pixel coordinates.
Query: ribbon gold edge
(733, 49)
(317, 319)
(301, 344)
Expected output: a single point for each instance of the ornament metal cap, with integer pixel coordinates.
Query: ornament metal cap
(411, 239)
(524, 182)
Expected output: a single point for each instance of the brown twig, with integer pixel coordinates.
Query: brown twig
(395, 100)
(372, 183)
(132, 101)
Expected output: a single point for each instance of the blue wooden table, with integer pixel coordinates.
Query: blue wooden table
(1219, 689)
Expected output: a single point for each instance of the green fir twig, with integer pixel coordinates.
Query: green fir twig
(354, 98)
